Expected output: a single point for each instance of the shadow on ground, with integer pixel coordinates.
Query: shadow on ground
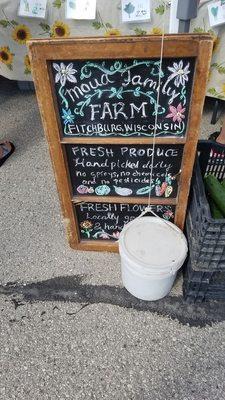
(72, 289)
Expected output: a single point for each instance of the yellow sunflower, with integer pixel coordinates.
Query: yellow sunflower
(21, 34)
(6, 57)
(27, 64)
(60, 30)
(223, 89)
(113, 32)
(156, 31)
(216, 43)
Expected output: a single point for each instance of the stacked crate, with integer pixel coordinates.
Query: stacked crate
(204, 272)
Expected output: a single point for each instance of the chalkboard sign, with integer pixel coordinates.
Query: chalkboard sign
(115, 170)
(118, 97)
(105, 221)
(98, 101)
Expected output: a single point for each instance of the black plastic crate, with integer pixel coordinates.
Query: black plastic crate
(199, 286)
(206, 236)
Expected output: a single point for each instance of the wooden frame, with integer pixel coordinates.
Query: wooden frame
(42, 52)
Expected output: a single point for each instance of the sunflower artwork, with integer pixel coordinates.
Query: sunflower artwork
(6, 57)
(21, 34)
(32, 8)
(81, 9)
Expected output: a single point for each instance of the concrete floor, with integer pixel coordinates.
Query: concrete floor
(68, 328)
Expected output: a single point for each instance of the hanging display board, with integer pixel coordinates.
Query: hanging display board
(98, 101)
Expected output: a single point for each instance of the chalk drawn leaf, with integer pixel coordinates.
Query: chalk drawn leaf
(87, 102)
(137, 91)
(99, 93)
(116, 93)
(129, 9)
(117, 65)
(214, 11)
(149, 93)
(144, 190)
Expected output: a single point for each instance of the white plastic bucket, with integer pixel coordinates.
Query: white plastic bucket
(151, 254)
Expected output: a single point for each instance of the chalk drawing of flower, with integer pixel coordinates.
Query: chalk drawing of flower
(104, 235)
(86, 224)
(168, 215)
(116, 235)
(68, 116)
(65, 73)
(179, 73)
(176, 113)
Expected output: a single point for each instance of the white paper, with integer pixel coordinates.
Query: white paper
(80, 9)
(32, 8)
(135, 10)
(216, 13)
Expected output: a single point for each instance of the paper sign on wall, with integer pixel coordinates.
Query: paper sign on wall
(135, 10)
(32, 8)
(216, 13)
(80, 9)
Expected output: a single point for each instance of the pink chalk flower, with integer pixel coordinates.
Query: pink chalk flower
(176, 113)
(116, 235)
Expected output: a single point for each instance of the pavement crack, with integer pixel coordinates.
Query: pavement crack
(77, 312)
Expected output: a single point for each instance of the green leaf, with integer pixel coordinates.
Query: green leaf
(129, 9)
(4, 23)
(108, 25)
(57, 3)
(160, 9)
(45, 27)
(13, 22)
(140, 32)
(219, 68)
(97, 25)
(27, 71)
(198, 29)
(213, 91)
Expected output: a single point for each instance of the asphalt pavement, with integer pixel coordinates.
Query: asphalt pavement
(68, 329)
